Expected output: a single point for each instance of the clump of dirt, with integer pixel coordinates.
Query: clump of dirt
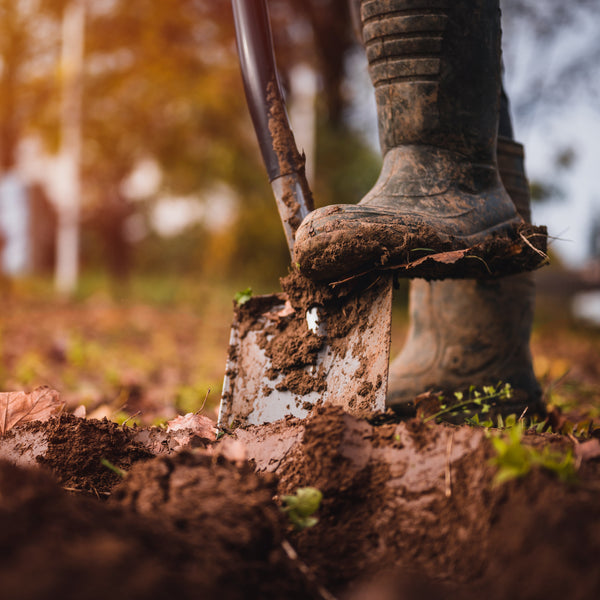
(285, 337)
(337, 254)
(419, 498)
(76, 448)
(58, 546)
(185, 527)
(226, 512)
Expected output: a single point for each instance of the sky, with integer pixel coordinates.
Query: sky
(550, 128)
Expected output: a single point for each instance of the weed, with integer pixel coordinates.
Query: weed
(301, 507)
(113, 468)
(481, 402)
(243, 296)
(514, 459)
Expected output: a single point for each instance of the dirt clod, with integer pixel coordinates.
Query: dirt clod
(409, 510)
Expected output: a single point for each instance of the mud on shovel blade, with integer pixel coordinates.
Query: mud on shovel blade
(287, 356)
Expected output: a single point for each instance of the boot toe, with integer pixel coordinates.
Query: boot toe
(340, 241)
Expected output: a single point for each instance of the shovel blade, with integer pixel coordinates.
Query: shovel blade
(349, 370)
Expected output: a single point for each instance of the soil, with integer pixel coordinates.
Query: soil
(298, 360)
(186, 527)
(340, 256)
(76, 447)
(409, 510)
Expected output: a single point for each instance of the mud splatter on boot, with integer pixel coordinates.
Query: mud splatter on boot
(465, 333)
(439, 208)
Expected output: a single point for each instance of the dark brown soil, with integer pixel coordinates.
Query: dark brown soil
(389, 505)
(76, 447)
(288, 342)
(409, 511)
(187, 527)
(422, 253)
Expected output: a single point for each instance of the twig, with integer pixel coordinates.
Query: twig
(523, 413)
(80, 491)
(542, 254)
(139, 412)
(448, 473)
(205, 399)
(578, 459)
(293, 555)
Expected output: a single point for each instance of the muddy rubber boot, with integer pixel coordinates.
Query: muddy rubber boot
(465, 333)
(435, 66)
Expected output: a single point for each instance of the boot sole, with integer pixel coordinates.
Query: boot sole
(343, 245)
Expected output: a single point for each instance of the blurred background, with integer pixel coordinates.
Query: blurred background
(133, 202)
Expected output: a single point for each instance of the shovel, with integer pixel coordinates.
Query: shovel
(311, 345)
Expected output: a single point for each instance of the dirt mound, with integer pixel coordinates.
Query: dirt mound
(419, 499)
(73, 450)
(409, 511)
(152, 541)
(227, 515)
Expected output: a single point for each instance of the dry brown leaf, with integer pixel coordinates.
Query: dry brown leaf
(198, 424)
(17, 408)
(588, 450)
(287, 310)
(80, 411)
(442, 257)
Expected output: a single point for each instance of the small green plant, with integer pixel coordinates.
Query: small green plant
(243, 296)
(514, 459)
(481, 402)
(105, 462)
(301, 507)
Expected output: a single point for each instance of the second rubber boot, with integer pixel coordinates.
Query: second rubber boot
(465, 333)
(435, 66)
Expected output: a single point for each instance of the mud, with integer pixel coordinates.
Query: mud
(424, 253)
(199, 529)
(409, 510)
(73, 449)
(286, 339)
(283, 143)
(416, 499)
(292, 206)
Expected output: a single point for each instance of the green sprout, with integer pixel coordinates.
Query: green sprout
(105, 462)
(243, 296)
(301, 507)
(482, 402)
(514, 459)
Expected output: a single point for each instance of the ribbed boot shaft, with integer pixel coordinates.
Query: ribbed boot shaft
(435, 66)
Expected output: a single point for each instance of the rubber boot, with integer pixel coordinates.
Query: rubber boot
(435, 67)
(465, 333)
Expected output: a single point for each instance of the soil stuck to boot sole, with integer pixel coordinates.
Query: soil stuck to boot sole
(339, 255)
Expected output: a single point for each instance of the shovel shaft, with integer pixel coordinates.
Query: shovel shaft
(284, 164)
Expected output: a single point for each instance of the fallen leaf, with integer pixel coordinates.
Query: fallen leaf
(198, 424)
(287, 310)
(17, 408)
(441, 257)
(588, 450)
(80, 411)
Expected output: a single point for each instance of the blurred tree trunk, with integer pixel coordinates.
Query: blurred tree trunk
(67, 243)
